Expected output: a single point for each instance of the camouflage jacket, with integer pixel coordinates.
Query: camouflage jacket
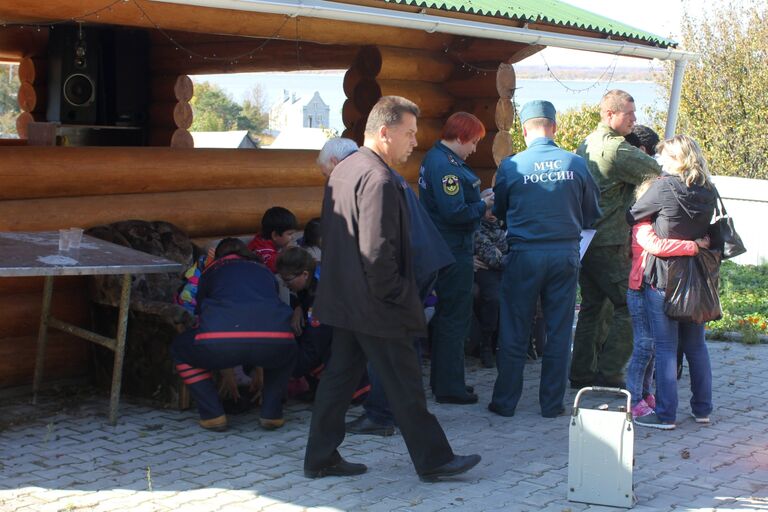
(491, 243)
(617, 167)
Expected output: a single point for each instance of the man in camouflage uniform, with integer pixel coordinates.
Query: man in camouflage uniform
(603, 341)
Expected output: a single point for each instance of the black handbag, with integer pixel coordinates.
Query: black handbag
(692, 283)
(722, 234)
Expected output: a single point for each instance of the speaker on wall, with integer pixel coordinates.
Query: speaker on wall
(125, 65)
(73, 75)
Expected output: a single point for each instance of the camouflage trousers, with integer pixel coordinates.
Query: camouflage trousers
(603, 341)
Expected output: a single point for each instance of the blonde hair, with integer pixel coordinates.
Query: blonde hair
(643, 188)
(686, 159)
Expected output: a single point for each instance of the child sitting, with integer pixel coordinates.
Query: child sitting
(490, 249)
(278, 225)
(310, 241)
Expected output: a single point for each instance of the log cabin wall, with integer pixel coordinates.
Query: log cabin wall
(206, 192)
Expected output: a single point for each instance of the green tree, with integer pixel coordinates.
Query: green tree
(254, 116)
(9, 107)
(723, 103)
(214, 110)
(573, 126)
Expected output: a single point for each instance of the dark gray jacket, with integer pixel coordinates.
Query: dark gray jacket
(677, 211)
(367, 280)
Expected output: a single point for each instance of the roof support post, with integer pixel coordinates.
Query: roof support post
(674, 97)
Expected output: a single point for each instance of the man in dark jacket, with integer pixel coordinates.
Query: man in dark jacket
(369, 295)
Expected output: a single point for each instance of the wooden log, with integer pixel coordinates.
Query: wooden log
(33, 70)
(13, 142)
(31, 97)
(349, 113)
(505, 114)
(505, 81)
(199, 213)
(408, 64)
(366, 94)
(181, 138)
(483, 108)
(352, 77)
(502, 146)
(227, 21)
(472, 84)
(429, 131)
(171, 88)
(20, 312)
(248, 55)
(35, 172)
(65, 356)
(23, 120)
(19, 42)
(176, 113)
(475, 49)
(368, 61)
(483, 155)
(432, 99)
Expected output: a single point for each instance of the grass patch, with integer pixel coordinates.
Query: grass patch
(744, 299)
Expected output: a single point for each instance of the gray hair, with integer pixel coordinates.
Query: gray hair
(338, 148)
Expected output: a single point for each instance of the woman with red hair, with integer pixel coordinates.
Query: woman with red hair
(450, 192)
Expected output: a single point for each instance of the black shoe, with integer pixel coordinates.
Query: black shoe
(497, 410)
(610, 382)
(341, 468)
(581, 384)
(365, 426)
(468, 398)
(456, 466)
(470, 389)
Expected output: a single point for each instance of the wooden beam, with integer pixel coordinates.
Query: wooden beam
(18, 42)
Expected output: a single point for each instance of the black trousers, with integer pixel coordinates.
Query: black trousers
(397, 367)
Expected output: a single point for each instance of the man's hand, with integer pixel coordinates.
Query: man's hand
(297, 321)
(478, 265)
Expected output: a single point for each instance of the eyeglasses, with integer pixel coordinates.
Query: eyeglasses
(288, 279)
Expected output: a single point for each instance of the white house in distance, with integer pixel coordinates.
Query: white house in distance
(299, 123)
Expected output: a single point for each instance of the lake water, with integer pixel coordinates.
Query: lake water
(564, 95)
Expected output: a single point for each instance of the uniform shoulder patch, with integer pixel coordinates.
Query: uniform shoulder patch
(451, 184)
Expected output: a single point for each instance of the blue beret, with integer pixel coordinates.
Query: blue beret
(537, 108)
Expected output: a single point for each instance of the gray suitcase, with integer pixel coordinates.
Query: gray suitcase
(601, 452)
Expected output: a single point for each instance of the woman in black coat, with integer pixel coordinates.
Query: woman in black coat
(680, 204)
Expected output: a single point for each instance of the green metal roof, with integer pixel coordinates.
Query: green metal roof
(543, 11)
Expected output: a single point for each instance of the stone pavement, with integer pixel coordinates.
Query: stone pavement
(160, 460)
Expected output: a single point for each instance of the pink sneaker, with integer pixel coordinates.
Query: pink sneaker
(641, 409)
(651, 401)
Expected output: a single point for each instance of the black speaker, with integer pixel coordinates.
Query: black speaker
(74, 56)
(125, 76)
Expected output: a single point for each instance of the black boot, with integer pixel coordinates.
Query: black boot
(487, 356)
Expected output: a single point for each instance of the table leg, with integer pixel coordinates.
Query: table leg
(42, 336)
(122, 327)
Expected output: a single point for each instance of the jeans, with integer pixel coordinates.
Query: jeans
(640, 368)
(668, 333)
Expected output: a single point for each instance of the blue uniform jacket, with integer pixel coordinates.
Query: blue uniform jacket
(546, 194)
(237, 300)
(450, 192)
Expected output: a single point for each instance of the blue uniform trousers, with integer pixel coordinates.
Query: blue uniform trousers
(452, 321)
(551, 272)
(194, 361)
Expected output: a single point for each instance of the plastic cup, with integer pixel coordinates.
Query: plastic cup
(63, 239)
(75, 237)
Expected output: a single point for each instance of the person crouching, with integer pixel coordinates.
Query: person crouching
(241, 321)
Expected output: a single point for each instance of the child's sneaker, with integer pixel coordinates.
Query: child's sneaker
(651, 401)
(701, 419)
(641, 408)
(653, 421)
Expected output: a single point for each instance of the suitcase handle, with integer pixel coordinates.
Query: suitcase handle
(601, 389)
